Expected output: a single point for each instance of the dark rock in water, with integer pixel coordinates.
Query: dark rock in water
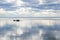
(16, 20)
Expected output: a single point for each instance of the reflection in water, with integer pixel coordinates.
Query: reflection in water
(33, 34)
(38, 30)
(48, 35)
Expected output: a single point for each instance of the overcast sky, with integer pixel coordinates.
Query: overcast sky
(29, 8)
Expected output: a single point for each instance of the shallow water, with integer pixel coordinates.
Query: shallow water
(29, 29)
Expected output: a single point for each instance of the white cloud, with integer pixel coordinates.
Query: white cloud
(45, 13)
(5, 13)
(2, 10)
(29, 12)
(10, 1)
(49, 1)
(19, 3)
(41, 1)
(57, 1)
(24, 12)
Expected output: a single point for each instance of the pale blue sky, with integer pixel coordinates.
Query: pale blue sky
(13, 8)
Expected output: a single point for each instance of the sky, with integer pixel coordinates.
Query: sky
(29, 29)
(29, 8)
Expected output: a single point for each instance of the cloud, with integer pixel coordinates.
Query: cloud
(24, 12)
(44, 13)
(10, 1)
(19, 3)
(7, 1)
(2, 10)
(25, 8)
(48, 1)
(8, 5)
(5, 13)
(31, 12)
(52, 1)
